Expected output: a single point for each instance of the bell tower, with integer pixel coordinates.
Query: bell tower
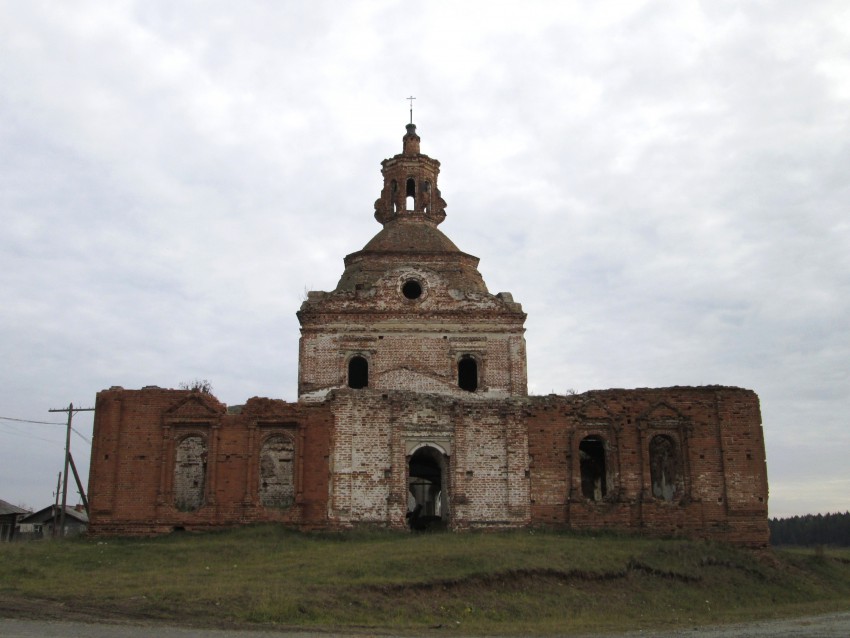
(410, 185)
(411, 311)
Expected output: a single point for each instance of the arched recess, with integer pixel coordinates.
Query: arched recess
(190, 473)
(358, 372)
(665, 468)
(277, 473)
(593, 467)
(428, 488)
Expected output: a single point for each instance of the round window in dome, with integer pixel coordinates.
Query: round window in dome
(411, 289)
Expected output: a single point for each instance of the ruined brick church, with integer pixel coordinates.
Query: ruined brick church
(413, 411)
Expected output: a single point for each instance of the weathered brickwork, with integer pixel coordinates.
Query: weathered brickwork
(173, 459)
(714, 434)
(413, 412)
(481, 444)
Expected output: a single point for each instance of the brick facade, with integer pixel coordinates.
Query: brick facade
(139, 479)
(720, 490)
(413, 410)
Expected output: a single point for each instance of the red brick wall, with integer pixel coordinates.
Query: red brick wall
(718, 434)
(132, 480)
(509, 462)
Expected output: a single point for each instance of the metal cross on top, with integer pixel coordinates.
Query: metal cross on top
(411, 98)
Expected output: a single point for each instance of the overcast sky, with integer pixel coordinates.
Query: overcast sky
(663, 186)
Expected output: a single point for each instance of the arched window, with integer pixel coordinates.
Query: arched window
(410, 194)
(664, 468)
(467, 373)
(358, 372)
(277, 485)
(594, 479)
(190, 470)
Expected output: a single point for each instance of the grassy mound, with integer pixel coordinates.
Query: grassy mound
(518, 582)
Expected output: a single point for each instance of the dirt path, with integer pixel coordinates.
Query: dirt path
(826, 626)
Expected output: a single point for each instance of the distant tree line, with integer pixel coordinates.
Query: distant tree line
(811, 529)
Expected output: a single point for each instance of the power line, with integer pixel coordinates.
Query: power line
(29, 436)
(79, 434)
(8, 418)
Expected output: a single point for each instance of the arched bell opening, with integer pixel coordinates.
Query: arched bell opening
(426, 194)
(394, 195)
(410, 194)
(427, 484)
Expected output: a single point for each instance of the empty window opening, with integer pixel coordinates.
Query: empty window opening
(412, 289)
(426, 506)
(190, 469)
(277, 486)
(410, 194)
(467, 373)
(664, 466)
(594, 483)
(358, 373)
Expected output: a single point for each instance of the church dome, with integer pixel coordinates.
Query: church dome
(410, 208)
(411, 237)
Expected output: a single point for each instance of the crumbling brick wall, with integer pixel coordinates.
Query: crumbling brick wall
(375, 435)
(169, 459)
(715, 432)
(412, 345)
(503, 462)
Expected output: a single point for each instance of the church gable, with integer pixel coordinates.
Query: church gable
(407, 377)
(193, 408)
(662, 414)
(595, 410)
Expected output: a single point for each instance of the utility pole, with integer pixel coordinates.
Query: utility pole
(70, 410)
(56, 503)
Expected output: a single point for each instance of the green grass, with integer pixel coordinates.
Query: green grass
(513, 582)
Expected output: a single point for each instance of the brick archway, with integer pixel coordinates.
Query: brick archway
(428, 488)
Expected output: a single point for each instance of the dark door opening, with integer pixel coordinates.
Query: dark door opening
(427, 503)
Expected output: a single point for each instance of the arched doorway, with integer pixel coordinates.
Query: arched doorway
(427, 489)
